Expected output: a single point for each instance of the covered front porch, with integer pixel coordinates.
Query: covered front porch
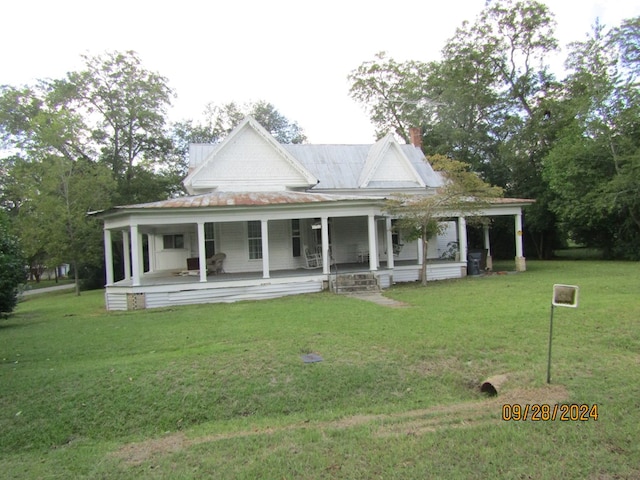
(162, 289)
(272, 244)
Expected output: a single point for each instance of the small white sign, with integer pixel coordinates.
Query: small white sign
(565, 296)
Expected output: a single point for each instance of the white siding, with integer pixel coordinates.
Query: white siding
(349, 236)
(174, 258)
(188, 294)
(394, 167)
(384, 279)
(436, 271)
(115, 301)
(249, 163)
(280, 248)
(450, 235)
(231, 238)
(231, 294)
(233, 241)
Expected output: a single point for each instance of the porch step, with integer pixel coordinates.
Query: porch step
(355, 282)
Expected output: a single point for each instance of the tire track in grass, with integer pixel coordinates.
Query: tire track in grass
(413, 422)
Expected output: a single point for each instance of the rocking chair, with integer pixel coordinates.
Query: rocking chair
(312, 259)
(214, 263)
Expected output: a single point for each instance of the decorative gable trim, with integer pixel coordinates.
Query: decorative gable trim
(380, 163)
(199, 179)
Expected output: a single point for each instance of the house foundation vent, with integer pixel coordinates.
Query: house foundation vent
(136, 301)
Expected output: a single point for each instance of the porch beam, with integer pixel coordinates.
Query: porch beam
(126, 252)
(108, 256)
(326, 253)
(264, 232)
(462, 242)
(373, 249)
(136, 247)
(389, 240)
(521, 264)
(202, 254)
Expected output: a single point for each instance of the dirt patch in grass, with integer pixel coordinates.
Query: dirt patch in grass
(138, 453)
(413, 422)
(468, 414)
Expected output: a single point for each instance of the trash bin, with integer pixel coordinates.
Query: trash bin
(474, 261)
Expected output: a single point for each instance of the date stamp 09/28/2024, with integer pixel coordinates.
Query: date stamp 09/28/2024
(544, 412)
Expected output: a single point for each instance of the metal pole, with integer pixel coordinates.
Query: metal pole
(550, 335)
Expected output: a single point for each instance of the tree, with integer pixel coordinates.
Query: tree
(55, 195)
(594, 168)
(483, 103)
(12, 268)
(91, 140)
(126, 107)
(503, 55)
(220, 120)
(463, 193)
(394, 94)
(16, 174)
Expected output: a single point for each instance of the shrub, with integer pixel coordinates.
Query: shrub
(13, 272)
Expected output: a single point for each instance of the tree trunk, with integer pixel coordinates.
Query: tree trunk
(423, 272)
(76, 277)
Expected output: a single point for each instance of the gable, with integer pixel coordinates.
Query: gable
(387, 164)
(249, 159)
(394, 167)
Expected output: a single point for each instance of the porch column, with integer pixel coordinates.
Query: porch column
(421, 252)
(389, 241)
(152, 252)
(462, 243)
(202, 254)
(487, 246)
(521, 264)
(108, 256)
(373, 249)
(126, 252)
(265, 247)
(326, 251)
(136, 246)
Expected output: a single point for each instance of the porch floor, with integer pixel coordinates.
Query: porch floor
(175, 278)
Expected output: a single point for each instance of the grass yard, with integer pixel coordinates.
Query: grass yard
(221, 391)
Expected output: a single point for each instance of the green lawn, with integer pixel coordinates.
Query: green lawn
(220, 391)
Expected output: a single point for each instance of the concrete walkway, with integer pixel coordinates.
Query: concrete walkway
(28, 293)
(377, 297)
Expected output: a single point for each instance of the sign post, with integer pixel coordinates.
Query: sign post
(563, 296)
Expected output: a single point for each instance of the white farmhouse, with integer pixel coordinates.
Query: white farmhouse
(264, 220)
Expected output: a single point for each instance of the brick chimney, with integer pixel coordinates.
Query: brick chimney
(415, 135)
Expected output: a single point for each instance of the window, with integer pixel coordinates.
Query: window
(295, 237)
(254, 233)
(172, 241)
(209, 240)
(395, 233)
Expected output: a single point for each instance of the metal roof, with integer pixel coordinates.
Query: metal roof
(340, 166)
(511, 201)
(224, 199)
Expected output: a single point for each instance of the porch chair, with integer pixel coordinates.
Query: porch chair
(312, 259)
(214, 263)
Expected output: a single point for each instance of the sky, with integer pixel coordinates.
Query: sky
(296, 55)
